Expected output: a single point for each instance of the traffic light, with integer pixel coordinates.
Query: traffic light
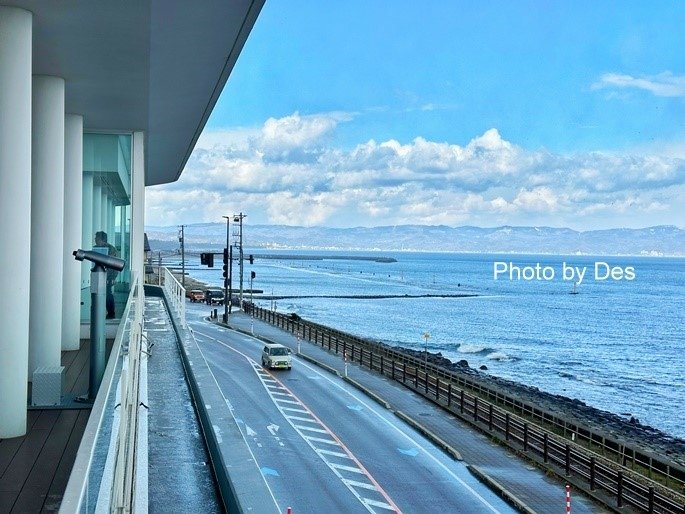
(251, 260)
(252, 274)
(225, 266)
(207, 259)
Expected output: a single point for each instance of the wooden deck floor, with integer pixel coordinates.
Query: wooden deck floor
(35, 468)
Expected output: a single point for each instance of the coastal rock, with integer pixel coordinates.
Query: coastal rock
(623, 428)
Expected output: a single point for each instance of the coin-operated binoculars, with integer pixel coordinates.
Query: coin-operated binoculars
(98, 297)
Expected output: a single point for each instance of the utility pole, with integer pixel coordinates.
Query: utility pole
(181, 239)
(226, 279)
(230, 279)
(238, 218)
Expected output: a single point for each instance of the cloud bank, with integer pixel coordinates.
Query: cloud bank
(289, 172)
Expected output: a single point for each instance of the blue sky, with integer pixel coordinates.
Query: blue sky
(454, 112)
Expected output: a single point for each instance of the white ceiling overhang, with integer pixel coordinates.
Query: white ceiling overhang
(151, 65)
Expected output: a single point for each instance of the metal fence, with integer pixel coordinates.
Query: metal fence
(600, 464)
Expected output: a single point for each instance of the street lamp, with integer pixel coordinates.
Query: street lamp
(426, 337)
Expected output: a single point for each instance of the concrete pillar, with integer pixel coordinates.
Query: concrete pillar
(15, 215)
(73, 208)
(47, 222)
(138, 205)
(97, 212)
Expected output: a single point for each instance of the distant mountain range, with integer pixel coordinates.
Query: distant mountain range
(659, 240)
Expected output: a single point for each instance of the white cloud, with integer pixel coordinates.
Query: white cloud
(663, 84)
(289, 172)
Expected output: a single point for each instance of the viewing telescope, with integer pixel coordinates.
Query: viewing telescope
(100, 259)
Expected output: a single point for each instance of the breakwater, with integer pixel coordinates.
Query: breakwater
(331, 257)
(366, 296)
(602, 463)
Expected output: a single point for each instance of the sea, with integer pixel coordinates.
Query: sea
(614, 340)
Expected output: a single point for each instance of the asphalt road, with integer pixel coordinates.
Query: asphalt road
(322, 446)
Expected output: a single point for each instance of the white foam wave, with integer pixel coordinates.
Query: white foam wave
(499, 356)
(471, 348)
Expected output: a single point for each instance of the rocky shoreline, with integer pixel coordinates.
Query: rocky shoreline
(625, 429)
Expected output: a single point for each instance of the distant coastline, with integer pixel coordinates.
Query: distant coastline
(659, 241)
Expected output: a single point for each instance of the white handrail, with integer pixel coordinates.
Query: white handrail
(122, 367)
(124, 471)
(177, 294)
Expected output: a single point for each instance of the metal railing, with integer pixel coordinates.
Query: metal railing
(103, 475)
(543, 437)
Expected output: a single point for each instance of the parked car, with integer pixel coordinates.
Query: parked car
(277, 356)
(196, 295)
(214, 297)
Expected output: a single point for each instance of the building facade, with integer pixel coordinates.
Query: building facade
(97, 101)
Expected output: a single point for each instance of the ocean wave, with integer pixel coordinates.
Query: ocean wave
(500, 356)
(473, 348)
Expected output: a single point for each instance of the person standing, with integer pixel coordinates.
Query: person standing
(101, 240)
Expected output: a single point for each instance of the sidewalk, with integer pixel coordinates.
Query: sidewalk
(526, 484)
(180, 474)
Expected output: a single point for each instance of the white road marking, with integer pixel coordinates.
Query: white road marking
(354, 483)
(333, 454)
(237, 424)
(320, 440)
(290, 409)
(281, 400)
(382, 505)
(368, 503)
(298, 418)
(310, 429)
(351, 469)
(397, 429)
